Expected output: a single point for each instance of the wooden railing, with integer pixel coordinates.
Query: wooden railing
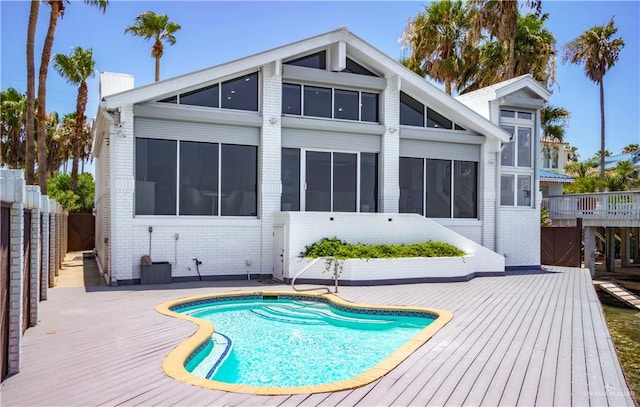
(603, 205)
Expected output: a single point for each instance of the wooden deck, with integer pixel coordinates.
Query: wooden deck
(527, 339)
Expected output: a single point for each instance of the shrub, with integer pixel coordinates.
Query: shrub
(335, 247)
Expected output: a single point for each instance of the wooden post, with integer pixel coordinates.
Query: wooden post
(625, 246)
(635, 249)
(590, 249)
(610, 249)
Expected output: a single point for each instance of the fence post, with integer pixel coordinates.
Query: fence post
(33, 202)
(44, 211)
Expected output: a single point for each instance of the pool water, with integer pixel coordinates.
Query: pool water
(296, 342)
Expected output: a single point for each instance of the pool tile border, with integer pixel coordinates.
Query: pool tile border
(174, 363)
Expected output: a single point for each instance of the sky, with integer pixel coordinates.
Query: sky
(215, 32)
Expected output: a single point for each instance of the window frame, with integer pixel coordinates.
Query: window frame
(427, 115)
(218, 84)
(218, 193)
(452, 187)
(333, 90)
(302, 187)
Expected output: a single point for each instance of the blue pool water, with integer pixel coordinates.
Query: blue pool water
(296, 342)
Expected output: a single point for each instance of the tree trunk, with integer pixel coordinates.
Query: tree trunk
(511, 60)
(602, 139)
(42, 96)
(81, 105)
(31, 90)
(447, 86)
(157, 69)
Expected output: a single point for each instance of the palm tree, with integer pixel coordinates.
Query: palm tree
(57, 10)
(631, 148)
(12, 130)
(598, 52)
(553, 121)
(31, 93)
(535, 54)
(150, 25)
(76, 68)
(437, 39)
(535, 49)
(500, 19)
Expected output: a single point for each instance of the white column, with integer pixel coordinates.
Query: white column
(590, 249)
(390, 148)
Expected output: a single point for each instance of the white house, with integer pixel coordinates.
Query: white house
(243, 164)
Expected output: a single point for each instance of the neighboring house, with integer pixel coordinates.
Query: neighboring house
(554, 156)
(243, 164)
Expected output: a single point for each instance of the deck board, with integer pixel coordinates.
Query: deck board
(531, 338)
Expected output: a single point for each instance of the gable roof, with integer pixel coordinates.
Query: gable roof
(504, 88)
(363, 51)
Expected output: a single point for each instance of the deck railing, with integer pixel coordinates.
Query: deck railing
(602, 205)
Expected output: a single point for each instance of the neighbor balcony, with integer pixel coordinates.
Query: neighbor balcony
(598, 209)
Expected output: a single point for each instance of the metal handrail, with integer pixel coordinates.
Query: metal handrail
(308, 266)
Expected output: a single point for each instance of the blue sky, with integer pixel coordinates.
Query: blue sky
(215, 32)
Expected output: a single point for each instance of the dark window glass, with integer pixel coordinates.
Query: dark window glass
(436, 120)
(368, 182)
(506, 190)
(155, 177)
(457, 127)
(172, 99)
(202, 97)
(524, 147)
(354, 67)
(438, 189)
(465, 184)
(411, 111)
(317, 101)
(411, 185)
(344, 182)
(238, 180)
(198, 178)
(525, 115)
(317, 60)
(318, 179)
(290, 173)
(508, 114)
(507, 156)
(369, 107)
(241, 93)
(524, 190)
(345, 104)
(291, 99)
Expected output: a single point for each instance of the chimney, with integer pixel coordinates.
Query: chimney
(111, 83)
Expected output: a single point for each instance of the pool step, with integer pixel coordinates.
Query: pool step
(222, 346)
(294, 313)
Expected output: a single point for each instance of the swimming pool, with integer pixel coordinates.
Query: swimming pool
(292, 343)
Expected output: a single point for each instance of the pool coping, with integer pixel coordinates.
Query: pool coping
(174, 363)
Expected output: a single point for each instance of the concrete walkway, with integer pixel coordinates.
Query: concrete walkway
(79, 269)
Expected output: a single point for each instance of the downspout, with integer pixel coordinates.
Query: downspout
(498, 246)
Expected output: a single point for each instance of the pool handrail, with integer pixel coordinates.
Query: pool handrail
(307, 267)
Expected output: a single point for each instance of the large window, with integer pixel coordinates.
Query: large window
(426, 187)
(238, 93)
(413, 113)
(331, 181)
(155, 177)
(304, 100)
(517, 159)
(214, 179)
(515, 190)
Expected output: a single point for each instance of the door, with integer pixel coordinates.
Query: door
(278, 252)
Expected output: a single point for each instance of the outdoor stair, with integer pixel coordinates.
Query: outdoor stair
(620, 293)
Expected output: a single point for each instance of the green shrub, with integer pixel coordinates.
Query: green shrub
(59, 188)
(335, 247)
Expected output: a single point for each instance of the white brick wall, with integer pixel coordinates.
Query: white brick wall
(304, 228)
(390, 151)
(520, 236)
